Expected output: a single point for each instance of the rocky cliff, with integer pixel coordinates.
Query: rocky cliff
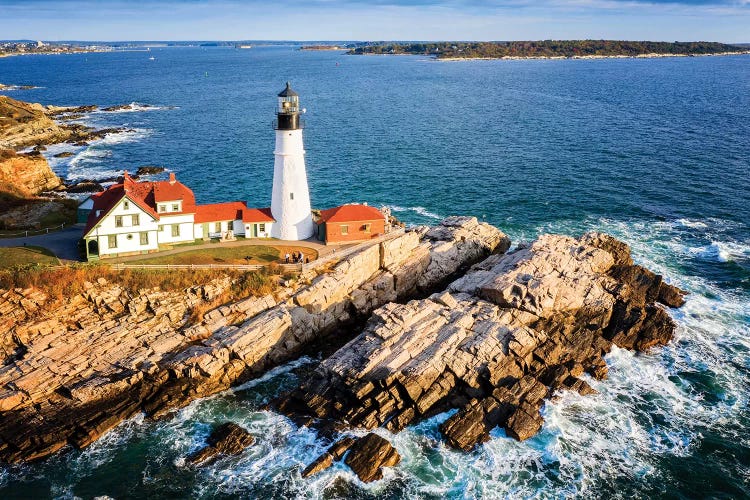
(494, 345)
(25, 124)
(73, 371)
(26, 175)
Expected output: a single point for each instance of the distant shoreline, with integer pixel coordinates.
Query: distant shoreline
(522, 58)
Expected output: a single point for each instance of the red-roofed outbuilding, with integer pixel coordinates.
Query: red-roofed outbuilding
(350, 223)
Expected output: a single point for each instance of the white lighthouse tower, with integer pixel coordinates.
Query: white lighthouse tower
(290, 199)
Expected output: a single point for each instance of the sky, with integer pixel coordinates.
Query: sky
(116, 20)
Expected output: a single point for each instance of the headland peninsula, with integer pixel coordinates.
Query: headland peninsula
(419, 322)
(548, 49)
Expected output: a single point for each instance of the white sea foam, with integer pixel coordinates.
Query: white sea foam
(418, 210)
(135, 107)
(92, 161)
(653, 408)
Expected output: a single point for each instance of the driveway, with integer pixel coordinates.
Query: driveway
(62, 243)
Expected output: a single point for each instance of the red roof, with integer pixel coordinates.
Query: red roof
(350, 213)
(219, 211)
(257, 215)
(147, 195)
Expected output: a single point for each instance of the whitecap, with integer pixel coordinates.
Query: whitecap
(692, 223)
(722, 251)
(418, 210)
(135, 107)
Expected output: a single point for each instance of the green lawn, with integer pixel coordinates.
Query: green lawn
(19, 256)
(259, 254)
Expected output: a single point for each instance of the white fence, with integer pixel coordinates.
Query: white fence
(32, 232)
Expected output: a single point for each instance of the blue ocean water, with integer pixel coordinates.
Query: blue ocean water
(654, 151)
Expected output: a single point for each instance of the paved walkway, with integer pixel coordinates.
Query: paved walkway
(62, 243)
(311, 243)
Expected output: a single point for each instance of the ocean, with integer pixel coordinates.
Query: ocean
(653, 151)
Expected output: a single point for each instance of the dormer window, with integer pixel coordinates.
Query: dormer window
(162, 208)
(175, 207)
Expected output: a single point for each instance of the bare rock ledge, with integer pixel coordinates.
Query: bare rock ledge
(70, 373)
(494, 345)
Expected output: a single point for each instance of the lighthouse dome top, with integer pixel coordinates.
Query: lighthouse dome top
(288, 92)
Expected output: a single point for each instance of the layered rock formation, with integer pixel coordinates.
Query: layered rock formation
(494, 345)
(25, 124)
(70, 373)
(227, 439)
(26, 175)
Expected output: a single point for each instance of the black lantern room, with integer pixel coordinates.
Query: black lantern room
(288, 112)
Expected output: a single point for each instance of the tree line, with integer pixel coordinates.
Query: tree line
(546, 48)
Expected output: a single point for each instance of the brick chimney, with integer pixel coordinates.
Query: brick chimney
(172, 178)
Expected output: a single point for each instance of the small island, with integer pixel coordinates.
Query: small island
(549, 49)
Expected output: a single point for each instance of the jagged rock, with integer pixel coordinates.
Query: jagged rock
(73, 371)
(149, 170)
(515, 329)
(368, 455)
(227, 439)
(25, 124)
(334, 453)
(26, 175)
(319, 464)
(84, 187)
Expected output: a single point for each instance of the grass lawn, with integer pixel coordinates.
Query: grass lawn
(19, 256)
(258, 254)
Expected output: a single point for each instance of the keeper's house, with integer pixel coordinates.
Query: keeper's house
(350, 223)
(136, 217)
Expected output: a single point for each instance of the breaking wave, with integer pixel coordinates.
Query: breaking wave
(135, 107)
(94, 161)
(643, 434)
(421, 212)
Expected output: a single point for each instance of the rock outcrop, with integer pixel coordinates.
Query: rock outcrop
(74, 371)
(495, 344)
(24, 124)
(227, 439)
(368, 455)
(26, 175)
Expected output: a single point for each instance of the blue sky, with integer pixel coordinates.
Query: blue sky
(687, 20)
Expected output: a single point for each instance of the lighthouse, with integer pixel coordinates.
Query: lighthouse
(290, 198)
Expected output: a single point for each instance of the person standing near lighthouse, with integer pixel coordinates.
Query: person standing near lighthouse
(290, 198)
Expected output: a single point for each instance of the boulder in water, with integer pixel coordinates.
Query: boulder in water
(227, 439)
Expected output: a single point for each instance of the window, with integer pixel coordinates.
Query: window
(366, 228)
(144, 238)
(125, 205)
(175, 207)
(162, 208)
(291, 196)
(112, 241)
(161, 228)
(129, 237)
(136, 219)
(118, 220)
(262, 228)
(344, 230)
(217, 227)
(175, 229)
